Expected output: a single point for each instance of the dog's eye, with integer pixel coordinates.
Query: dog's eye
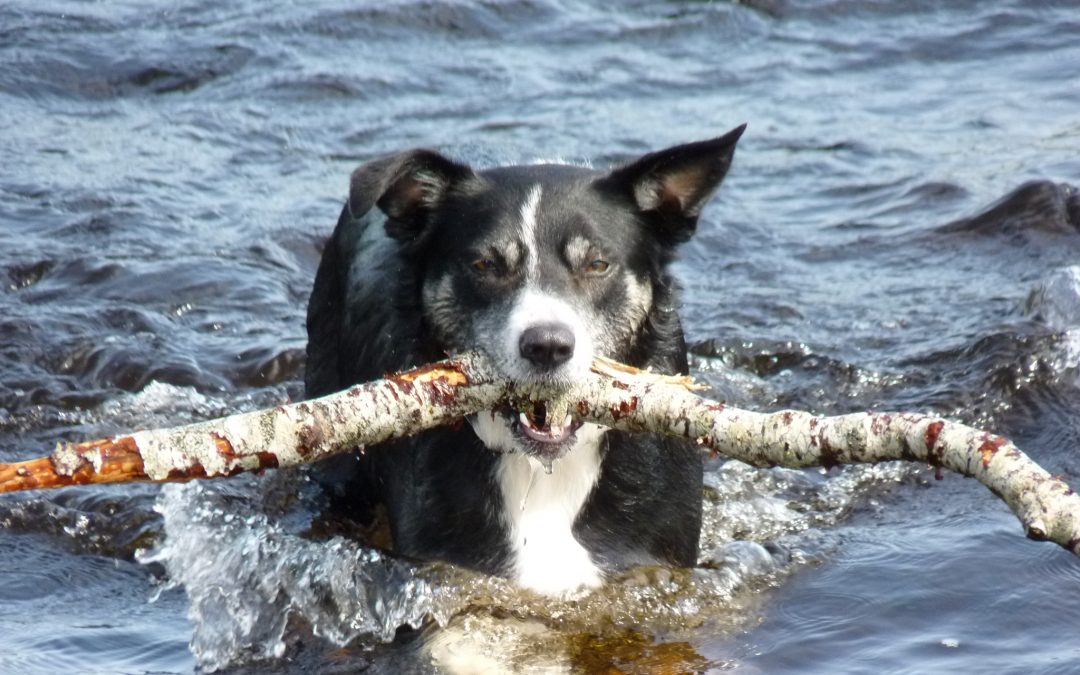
(485, 265)
(597, 267)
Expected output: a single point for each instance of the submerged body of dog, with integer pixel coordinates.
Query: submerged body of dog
(543, 267)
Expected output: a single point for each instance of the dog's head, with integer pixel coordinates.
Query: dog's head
(541, 266)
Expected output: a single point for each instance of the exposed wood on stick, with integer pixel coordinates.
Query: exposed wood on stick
(615, 396)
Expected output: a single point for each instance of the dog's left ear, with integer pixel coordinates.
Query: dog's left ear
(676, 183)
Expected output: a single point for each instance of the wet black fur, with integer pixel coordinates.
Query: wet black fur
(439, 487)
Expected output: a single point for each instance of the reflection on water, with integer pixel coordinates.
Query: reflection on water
(900, 231)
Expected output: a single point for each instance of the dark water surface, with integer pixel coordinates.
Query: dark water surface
(900, 231)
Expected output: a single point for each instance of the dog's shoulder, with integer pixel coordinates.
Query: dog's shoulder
(643, 492)
(362, 318)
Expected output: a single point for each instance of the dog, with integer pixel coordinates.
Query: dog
(542, 267)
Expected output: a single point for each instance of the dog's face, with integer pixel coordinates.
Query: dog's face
(540, 270)
(542, 267)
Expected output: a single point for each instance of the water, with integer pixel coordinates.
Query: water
(900, 231)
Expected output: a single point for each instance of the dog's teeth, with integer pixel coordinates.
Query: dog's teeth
(524, 419)
(567, 422)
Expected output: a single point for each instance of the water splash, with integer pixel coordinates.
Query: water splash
(1056, 302)
(784, 511)
(239, 551)
(246, 574)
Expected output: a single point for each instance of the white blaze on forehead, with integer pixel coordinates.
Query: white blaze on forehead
(529, 210)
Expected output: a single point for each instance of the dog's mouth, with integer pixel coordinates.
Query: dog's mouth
(540, 432)
(537, 425)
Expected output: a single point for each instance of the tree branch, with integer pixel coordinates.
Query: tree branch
(614, 396)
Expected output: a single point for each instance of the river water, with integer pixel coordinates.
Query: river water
(899, 232)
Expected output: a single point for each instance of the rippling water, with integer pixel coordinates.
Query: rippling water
(900, 231)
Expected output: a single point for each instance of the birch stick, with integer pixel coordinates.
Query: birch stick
(614, 396)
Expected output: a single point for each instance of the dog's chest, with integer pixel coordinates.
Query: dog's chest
(539, 512)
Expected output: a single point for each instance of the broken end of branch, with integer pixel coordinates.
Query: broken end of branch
(1035, 530)
(605, 366)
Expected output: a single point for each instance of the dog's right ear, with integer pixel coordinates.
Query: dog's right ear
(406, 187)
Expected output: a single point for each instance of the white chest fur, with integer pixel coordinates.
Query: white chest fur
(540, 509)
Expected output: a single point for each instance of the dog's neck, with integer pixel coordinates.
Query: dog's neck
(539, 509)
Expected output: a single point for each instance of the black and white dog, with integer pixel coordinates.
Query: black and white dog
(542, 267)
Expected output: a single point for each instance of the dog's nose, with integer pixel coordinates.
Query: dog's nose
(547, 346)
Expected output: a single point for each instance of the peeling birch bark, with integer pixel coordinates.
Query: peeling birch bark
(615, 396)
(398, 405)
